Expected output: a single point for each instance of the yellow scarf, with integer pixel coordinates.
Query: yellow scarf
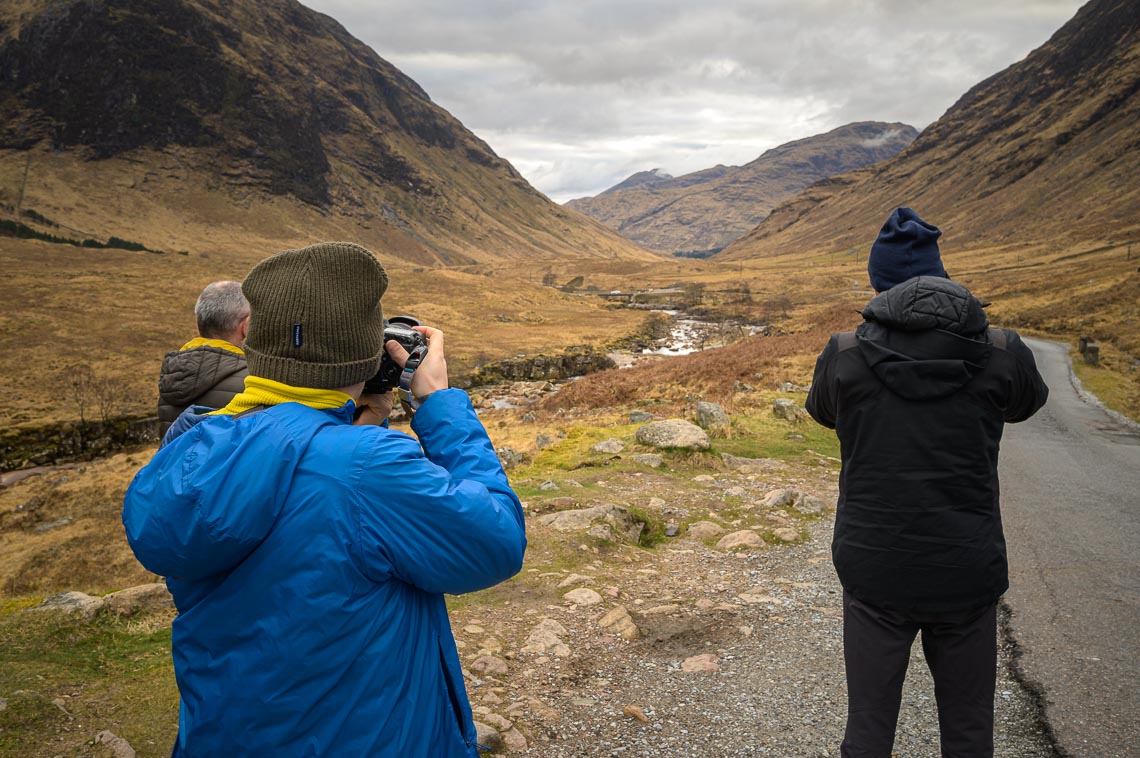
(203, 342)
(261, 391)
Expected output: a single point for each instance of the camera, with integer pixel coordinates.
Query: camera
(397, 328)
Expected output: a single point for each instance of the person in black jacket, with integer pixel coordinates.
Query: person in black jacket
(919, 395)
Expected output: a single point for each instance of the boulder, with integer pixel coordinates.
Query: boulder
(674, 433)
(72, 602)
(711, 416)
(144, 598)
(622, 523)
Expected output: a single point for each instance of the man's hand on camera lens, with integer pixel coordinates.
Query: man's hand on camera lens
(431, 375)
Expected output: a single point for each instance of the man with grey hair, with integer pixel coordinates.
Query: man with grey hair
(210, 369)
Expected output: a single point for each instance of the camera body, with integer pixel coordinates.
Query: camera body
(397, 328)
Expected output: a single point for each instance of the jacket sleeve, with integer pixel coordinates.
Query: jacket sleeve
(821, 397)
(442, 518)
(1027, 390)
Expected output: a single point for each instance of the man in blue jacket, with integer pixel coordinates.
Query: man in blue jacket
(308, 555)
(919, 395)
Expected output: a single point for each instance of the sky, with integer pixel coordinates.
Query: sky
(580, 94)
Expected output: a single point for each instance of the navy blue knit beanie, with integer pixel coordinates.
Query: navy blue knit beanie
(907, 247)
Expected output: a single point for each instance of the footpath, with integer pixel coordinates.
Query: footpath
(691, 648)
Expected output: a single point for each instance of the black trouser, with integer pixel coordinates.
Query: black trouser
(961, 651)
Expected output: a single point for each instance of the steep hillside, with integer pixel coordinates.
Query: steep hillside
(238, 124)
(1045, 153)
(703, 211)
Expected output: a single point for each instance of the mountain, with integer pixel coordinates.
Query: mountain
(226, 124)
(640, 179)
(1045, 152)
(703, 211)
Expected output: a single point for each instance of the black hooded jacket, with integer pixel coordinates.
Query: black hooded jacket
(919, 395)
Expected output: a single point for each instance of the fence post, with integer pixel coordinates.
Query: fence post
(1092, 355)
(1083, 343)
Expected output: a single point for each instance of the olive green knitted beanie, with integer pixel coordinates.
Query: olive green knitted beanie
(315, 318)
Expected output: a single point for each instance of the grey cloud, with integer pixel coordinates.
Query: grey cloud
(580, 95)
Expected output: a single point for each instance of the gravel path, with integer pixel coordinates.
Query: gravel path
(779, 690)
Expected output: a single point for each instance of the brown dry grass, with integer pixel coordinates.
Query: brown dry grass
(711, 374)
(120, 312)
(63, 530)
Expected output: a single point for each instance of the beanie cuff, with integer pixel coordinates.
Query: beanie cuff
(305, 374)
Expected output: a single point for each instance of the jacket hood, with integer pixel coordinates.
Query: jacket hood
(189, 373)
(198, 508)
(925, 338)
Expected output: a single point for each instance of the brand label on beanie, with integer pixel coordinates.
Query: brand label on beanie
(296, 335)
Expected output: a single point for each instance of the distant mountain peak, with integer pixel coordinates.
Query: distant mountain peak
(701, 212)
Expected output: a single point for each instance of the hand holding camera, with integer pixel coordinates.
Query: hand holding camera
(413, 362)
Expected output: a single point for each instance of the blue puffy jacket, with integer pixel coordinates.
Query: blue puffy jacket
(308, 560)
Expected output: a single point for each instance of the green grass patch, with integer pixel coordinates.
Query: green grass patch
(67, 679)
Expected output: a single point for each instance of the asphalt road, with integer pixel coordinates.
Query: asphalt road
(1071, 506)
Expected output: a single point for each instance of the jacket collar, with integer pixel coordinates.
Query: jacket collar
(220, 344)
(260, 391)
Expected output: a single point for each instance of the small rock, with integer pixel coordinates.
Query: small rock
(514, 741)
(788, 409)
(582, 596)
(497, 721)
(634, 712)
(662, 610)
(474, 629)
(543, 441)
(755, 598)
(705, 529)
(786, 534)
(752, 465)
(489, 665)
(609, 446)
(546, 639)
(809, 505)
(702, 662)
(652, 460)
(548, 486)
(573, 579)
(619, 620)
(639, 417)
(509, 457)
(488, 736)
(656, 502)
(743, 538)
(779, 498)
(672, 530)
(119, 747)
